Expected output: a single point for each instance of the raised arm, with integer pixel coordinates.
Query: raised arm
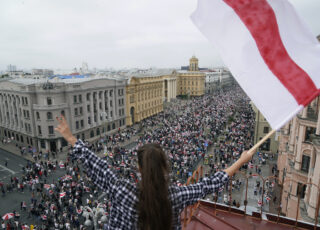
(96, 168)
(192, 193)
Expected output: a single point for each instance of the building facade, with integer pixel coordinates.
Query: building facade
(144, 97)
(216, 79)
(28, 108)
(261, 129)
(299, 162)
(170, 86)
(191, 82)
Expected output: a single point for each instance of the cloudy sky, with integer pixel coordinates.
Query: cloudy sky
(110, 33)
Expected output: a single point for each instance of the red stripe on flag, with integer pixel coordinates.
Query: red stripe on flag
(260, 19)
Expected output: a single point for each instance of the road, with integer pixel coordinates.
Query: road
(14, 166)
(11, 201)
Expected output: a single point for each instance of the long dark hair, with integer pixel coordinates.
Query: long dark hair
(154, 207)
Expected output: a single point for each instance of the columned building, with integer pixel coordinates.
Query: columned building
(145, 92)
(28, 108)
(299, 162)
(191, 82)
(170, 86)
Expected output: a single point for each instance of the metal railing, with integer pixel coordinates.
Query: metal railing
(191, 180)
(189, 211)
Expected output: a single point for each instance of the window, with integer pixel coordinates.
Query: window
(98, 132)
(113, 126)
(21, 138)
(49, 116)
(305, 163)
(110, 103)
(95, 118)
(132, 99)
(91, 134)
(266, 145)
(26, 100)
(82, 136)
(74, 99)
(80, 98)
(111, 93)
(77, 124)
(88, 108)
(76, 111)
(81, 123)
(49, 101)
(265, 129)
(111, 114)
(108, 128)
(39, 130)
(63, 113)
(88, 96)
(64, 142)
(81, 112)
(309, 132)
(100, 105)
(42, 144)
(38, 115)
(301, 189)
(51, 130)
(89, 120)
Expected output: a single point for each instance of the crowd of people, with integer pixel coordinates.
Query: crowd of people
(187, 130)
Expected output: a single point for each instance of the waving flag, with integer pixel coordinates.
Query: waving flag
(269, 50)
(46, 186)
(62, 194)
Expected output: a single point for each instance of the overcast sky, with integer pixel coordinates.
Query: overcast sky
(110, 33)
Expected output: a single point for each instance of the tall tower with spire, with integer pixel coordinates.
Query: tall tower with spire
(193, 64)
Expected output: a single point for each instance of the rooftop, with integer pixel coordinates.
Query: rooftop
(68, 79)
(209, 215)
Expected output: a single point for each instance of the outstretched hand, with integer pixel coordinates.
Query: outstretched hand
(64, 130)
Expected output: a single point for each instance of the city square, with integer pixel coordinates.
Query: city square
(155, 115)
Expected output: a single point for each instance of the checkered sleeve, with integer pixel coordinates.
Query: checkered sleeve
(96, 168)
(190, 194)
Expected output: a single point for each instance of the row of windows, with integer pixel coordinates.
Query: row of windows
(121, 112)
(79, 124)
(50, 130)
(17, 137)
(49, 115)
(147, 95)
(97, 132)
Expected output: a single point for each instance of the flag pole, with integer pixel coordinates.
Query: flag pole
(252, 150)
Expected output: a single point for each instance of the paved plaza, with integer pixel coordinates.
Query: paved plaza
(12, 164)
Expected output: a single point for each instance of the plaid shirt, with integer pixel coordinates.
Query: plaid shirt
(123, 194)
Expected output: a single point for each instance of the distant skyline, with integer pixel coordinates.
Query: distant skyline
(59, 34)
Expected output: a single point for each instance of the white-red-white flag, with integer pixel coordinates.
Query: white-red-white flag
(269, 50)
